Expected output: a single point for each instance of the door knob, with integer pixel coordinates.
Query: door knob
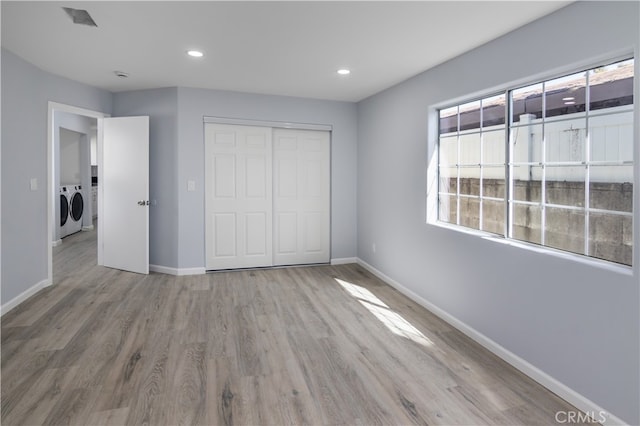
(143, 203)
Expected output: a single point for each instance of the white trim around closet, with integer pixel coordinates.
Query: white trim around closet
(275, 124)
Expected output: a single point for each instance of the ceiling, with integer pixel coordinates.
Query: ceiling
(282, 48)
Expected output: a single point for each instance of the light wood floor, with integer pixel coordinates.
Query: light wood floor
(263, 347)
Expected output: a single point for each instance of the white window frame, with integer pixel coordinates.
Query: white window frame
(432, 211)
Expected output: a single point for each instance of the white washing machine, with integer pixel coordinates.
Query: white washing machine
(76, 209)
(64, 211)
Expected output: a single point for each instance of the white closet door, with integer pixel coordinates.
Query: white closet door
(301, 199)
(238, 196)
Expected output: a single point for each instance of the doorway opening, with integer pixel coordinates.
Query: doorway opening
(73, 165)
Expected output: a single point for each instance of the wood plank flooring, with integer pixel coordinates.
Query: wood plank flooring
(313, 345)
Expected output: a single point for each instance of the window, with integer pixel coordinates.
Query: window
(550, 163)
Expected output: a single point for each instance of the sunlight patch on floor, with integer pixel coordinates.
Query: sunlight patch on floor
(392, 320)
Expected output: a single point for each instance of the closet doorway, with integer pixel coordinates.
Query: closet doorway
(267, 196)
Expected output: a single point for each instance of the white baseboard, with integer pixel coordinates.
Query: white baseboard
(344, 260)
(23, 296)
(579, 401)
(191, 271)
(176, 271)
(56, 243)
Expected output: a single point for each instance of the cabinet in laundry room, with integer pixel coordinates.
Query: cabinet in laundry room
(70, 157)
(94, 201)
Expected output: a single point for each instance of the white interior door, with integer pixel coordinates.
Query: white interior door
(124, 182)
(238, 185)
(301, 198)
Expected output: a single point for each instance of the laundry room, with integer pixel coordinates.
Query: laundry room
(75, 166)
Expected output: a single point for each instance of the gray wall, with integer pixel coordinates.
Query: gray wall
(26, 91)
(194, 104)
(576, 322)
(161, 105)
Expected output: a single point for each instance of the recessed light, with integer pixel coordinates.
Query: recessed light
(121, 74)
(195, 53)
(344, 71)
(568, 98)
(569, 103)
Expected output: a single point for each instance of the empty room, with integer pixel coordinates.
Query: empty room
(320, 212)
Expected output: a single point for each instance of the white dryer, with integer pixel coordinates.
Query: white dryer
(64, 211)
(76, 209)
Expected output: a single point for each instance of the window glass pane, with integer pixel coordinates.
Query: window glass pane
(526, 100)
(611, 188)
(493, 216)
(470, 180)
(565, 140)
(448, 151)
(470, 116)
(493, 147)
(565, 185)
(470, 149)
(527, 222)
(564, 229)
(526, 144)
(447, 208)
(448, 180)
(493, 111)
(611, 137)
(565, 95)
(448, 120)
(470, 212)
(584, 151)
(493, 182)
(611, 86)
(610, 237)
(527, 182)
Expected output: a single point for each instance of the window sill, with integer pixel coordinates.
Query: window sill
(585, 260)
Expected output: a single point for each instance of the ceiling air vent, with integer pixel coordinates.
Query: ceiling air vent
(80, 16)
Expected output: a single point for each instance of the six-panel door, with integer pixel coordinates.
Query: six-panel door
(238, 196)
(266, 203)
(301, 197)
